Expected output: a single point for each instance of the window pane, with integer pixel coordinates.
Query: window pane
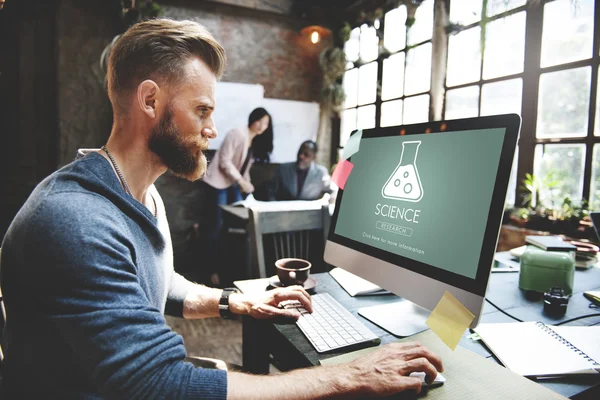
(462, 103)
(416, 109)
(595, 184)
(422, 29)
(563, 104)
(347, 125)
(394, 37)
(465, 12)
(367, 83)
(502, 97)
(568, 31)
(393, 77)
(495, 7)
(464, 57)
(559, 167)
(597, 124)
(418, 70)
(352, 45)
(351, 88)
(391, 113)
(369, 43)
(512, 182)
(366, 117)
(504, 46)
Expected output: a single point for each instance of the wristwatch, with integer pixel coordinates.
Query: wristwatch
(224, 309)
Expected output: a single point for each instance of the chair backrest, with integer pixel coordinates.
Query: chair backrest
(2, 321)
(291, 233)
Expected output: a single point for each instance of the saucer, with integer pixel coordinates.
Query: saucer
(309, 284)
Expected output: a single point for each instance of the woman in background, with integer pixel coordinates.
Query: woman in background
(228, 174)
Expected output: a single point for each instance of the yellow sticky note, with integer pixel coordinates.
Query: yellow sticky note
(449, 320)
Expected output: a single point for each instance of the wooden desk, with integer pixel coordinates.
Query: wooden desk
(290, 349)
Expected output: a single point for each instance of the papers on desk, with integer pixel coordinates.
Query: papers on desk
(292, 205)
(505, 261)
(539, 350)
(355, 285)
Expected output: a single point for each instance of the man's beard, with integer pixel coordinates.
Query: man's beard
(185, 159)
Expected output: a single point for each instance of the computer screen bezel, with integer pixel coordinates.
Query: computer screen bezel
(478, 285)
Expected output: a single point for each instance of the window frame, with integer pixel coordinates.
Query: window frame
(530, 76)
(531, 86)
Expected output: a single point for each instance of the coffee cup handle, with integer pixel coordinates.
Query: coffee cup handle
(292, 275)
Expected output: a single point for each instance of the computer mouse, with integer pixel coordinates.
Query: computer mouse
(438, 381)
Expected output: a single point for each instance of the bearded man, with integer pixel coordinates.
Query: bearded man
(87, 263)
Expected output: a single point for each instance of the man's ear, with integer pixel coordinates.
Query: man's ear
(147, 97)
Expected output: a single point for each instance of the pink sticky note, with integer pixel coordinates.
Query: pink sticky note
(341, 173)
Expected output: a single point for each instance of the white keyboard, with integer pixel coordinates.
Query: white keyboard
(330, 326)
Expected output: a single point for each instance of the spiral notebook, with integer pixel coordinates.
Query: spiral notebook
(539, 350)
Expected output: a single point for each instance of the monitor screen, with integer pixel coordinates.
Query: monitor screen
(428, 198)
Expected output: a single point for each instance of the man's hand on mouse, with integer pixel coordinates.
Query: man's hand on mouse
(265, 305)
(385, 371)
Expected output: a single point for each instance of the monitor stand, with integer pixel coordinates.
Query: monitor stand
(402, 318)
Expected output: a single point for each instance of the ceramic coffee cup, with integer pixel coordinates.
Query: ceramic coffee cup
(292, 271)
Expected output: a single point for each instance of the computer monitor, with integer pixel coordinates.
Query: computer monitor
(420, 212)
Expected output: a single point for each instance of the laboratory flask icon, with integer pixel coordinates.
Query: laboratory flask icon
(404, 183)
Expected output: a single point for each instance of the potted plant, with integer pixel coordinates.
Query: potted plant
(561, 216)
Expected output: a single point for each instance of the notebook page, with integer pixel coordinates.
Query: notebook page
(528, 350)
(585, 338)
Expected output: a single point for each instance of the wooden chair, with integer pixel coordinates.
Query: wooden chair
(281, 234)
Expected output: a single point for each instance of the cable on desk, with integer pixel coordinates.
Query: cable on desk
(578, 318)
(560, 323)
(502, 311)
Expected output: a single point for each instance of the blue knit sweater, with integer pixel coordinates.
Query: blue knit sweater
(86, 277)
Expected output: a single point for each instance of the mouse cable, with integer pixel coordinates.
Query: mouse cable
(575, 319)
(560, 323)
(502, 311)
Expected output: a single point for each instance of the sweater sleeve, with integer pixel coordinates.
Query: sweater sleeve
(178, 290)
(89, 291)
(229, 148)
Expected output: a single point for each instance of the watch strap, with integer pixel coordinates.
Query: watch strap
(224, 310)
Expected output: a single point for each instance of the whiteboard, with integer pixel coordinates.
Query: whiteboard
(293, 123)
(235, 102)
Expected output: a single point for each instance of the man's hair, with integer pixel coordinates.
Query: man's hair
(158, 49)
(309, 144)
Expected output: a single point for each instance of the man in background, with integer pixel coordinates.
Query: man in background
(303, 179)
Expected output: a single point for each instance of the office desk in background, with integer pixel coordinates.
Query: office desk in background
(290, 349)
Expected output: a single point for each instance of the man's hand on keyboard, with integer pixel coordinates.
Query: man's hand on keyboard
(386, 371)
(266, 305)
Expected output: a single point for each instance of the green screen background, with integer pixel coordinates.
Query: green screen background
(457, 172)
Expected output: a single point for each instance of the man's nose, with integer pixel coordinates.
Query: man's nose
(210, 130)
(209, 133)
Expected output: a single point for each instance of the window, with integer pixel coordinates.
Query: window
(566, 125)
(360, 82)
(496, 64)
(388, 87)
(488, 79)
